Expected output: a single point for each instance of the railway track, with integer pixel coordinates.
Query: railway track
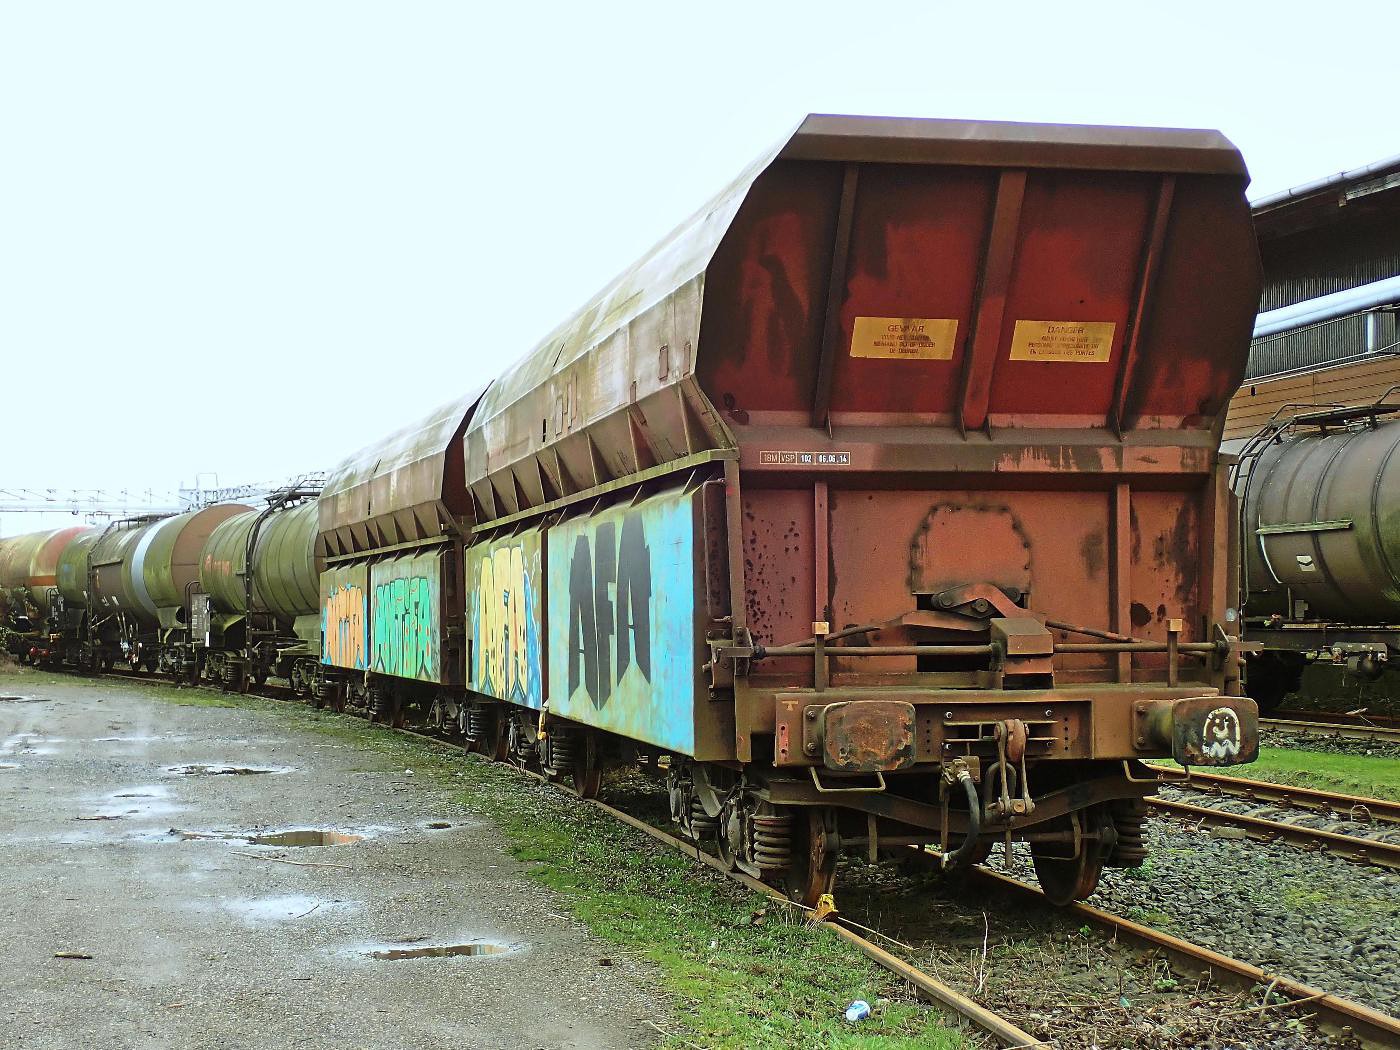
(1347, 807)
(1334, 1014)
(1350, 727)
(1352, 847)
(1348, 810)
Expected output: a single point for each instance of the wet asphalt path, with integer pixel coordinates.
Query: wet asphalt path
(203, 943)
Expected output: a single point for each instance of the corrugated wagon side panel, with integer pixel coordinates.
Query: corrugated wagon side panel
(505, 619)
(345, 617)
(623, 620)
(406, 617)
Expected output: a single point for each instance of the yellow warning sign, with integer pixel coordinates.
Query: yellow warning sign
(896, 338)
(1089, 341)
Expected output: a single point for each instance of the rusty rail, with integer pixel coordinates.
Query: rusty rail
(1358, 718)
(1359, 808)
(993, 1024)
(1352, 847)
(1380, 734)
(1336, 1014)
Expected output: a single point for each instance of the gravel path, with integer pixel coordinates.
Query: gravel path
(217, 942)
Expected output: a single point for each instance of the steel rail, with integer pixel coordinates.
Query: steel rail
(1340, 718)
(992, 1023)
(1358, 808)
(1302, 727)
(1352, 847)
(1336, 1013)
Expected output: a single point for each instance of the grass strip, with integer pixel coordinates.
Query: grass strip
(1376, 776)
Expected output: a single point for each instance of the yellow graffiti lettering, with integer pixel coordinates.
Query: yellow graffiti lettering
(507, 635)
(343, 627)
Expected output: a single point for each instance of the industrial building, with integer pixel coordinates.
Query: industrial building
(1327, 329)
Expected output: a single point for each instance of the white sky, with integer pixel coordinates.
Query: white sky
(249, 238)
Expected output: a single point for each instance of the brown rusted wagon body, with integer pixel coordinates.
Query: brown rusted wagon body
(884, 498)
(392, 519)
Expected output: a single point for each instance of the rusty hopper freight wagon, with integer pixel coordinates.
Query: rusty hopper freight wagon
(1320, 494)
(393, 518)
(881, 503)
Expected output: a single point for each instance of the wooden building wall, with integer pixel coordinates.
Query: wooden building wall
(1360, 380)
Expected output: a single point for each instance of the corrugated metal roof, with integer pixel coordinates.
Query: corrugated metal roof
(1319, 262)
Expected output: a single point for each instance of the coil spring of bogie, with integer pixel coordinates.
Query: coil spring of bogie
(772, 840)
(1130, 850)
(563, 752)
(380, 701)
(476, 722)
(701, 823)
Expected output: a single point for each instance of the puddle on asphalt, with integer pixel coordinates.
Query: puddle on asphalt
(293, 837)
(141, 791)
(195, 836)
(281, 909)
(206, 770)
(25, 699)
(135, 739)
(439, 951)
(303, 837)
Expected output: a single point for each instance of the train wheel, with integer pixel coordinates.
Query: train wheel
(729, 833)
(1063, 879)
(490, 737)
(812, 872)
(588, 773)
(437, 715)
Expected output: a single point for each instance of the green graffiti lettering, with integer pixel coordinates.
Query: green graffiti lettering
(405, 625)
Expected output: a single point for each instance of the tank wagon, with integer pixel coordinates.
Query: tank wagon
(245, 626)
(122, 589)
(29, 587)
(1320, 502)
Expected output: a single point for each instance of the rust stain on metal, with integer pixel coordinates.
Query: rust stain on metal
(867, 736)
